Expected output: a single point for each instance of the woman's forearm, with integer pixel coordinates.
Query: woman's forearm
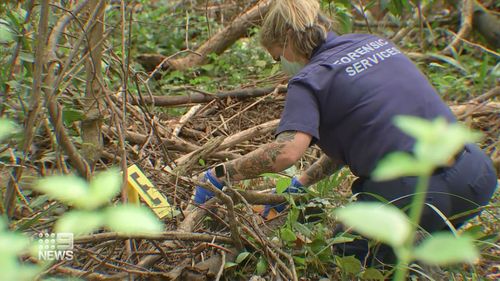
(325, 166)
(271, 157)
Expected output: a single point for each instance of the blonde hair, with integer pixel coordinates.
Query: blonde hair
(301, 22)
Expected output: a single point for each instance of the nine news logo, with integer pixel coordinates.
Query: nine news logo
(55, 246)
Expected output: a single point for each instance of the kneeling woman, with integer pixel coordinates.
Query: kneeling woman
(343, 96)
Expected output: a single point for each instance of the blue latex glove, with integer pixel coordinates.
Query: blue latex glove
(295, 187)
(201, 195)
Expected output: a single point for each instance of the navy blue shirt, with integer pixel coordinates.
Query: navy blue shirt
(347, 96)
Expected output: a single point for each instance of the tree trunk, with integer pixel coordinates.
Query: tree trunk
(91, 125)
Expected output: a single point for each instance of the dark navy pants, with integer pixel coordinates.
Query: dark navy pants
(467, 185)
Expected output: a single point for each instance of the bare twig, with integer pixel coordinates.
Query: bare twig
(185, 118)
(221, 269)
(226, 200)
(465, 28)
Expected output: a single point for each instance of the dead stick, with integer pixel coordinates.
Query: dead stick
(185, 118)
(167, 235)
(465, 28)
(248, 134)
(231, 217)
(197, 97)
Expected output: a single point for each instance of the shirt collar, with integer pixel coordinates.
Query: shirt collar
(329, 37)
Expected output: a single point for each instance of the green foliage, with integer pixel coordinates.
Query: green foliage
(261, 266)
(6, 34)
(12, 246)
(350, 265)
(73, 190)
(119, 219)
(71, 115)
(341, 12)
(385, 223)
(437, 142)
(282, 184)
(79, 222)
(372, 274)
(242, 256)
(287, 234)
(445, 248)
(90, 199)
(7, 128)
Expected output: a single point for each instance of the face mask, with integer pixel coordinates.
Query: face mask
(290, 67)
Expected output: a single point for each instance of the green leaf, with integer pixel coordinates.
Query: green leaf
(398, 164)
(103, 187)
(282, 184)
(261, 267)
(299, 260)
(7, 127)
(79, 222)
(445, 249)
(304, 230)
(71, 115)
(27, 57)
(450, 139)
(229, 264)
(69, 189)
(436, 141)
(451, 61)
(416, 127)
(242, 256)
(288, 235)
(272, 175)
(385, 223)
(131, 219)
(27, 272)
(349, 265)
(6, 34)
(339, 240)
(372, 274)
(11, 244)
(39, 201)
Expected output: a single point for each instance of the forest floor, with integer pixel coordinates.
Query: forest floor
(242, 96)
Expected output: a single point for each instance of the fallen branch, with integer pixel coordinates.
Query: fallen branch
(167, 235)
(185, 162)
(248, 134)
(488, 95)
(67, 271)
(235, 139)
(197, 97)
(475, 109)
(173, 144)
(224, 38)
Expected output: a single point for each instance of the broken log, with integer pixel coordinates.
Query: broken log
(215, 44)
(197, 97)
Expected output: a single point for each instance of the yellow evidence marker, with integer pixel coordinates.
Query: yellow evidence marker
(139, 185)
